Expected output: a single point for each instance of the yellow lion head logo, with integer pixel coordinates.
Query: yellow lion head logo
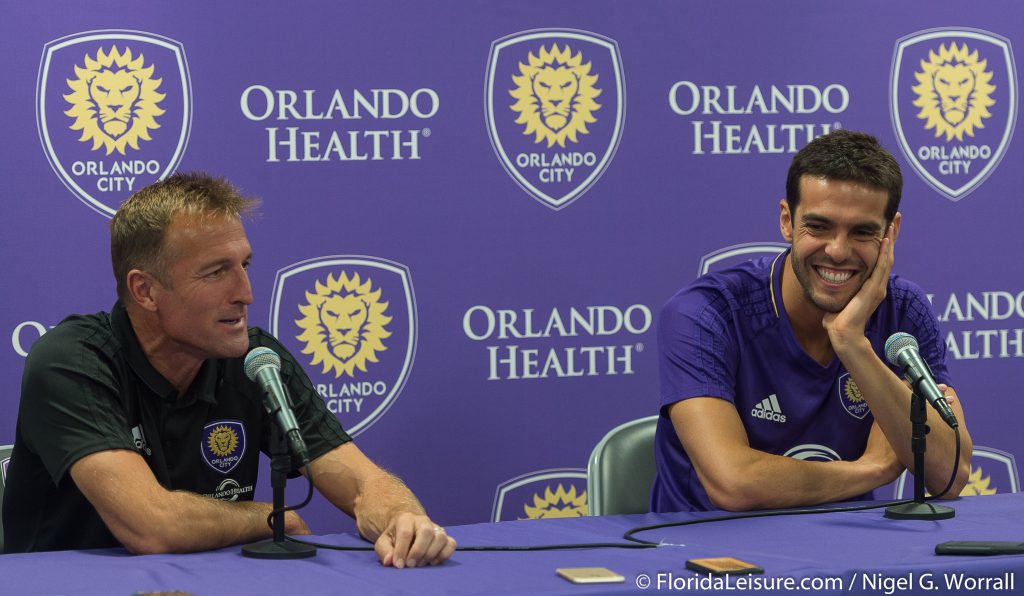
(977, 485)
(954, 91)
(343, 324)
(222, 441)
(114, 100)
(559, 503)
(555, 95)
(852, 391)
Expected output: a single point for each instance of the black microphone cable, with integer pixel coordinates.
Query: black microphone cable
(637, 543)
(751, 514)
(287, 508)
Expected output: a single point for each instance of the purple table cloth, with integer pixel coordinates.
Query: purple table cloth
(849, 552)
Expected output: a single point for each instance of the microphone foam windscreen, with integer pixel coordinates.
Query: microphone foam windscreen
(896, 343)
(258, 358)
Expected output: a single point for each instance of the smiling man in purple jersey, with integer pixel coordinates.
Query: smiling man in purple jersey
(774, 388)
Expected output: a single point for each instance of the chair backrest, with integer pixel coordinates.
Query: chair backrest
(621, 469)
(5, 458)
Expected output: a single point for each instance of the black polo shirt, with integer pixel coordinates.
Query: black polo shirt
(87, 387)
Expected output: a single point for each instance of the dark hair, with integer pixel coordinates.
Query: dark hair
(849, 156)
(138, 228)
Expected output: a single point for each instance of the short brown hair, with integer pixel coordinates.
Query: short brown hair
(138, 228)
(848, 156)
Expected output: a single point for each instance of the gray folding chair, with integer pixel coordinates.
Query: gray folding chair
(621, 469)
(5, 457)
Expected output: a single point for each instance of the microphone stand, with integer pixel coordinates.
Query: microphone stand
(278, 548)
(918, 509)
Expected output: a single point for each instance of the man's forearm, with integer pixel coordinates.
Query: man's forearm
(739, 477)
(187, 522)
(889, 399)
(385, 510)
(147, 518)
(383, 497)
(766, 481)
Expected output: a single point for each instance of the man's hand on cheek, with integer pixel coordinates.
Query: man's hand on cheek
(847, 325)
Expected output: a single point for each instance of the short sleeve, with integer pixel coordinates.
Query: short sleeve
(696, 351)
(70, 405)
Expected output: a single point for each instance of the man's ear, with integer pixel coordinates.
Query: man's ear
(896, 221)
(785, 221)
(141, 289)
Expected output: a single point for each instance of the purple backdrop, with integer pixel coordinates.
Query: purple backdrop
(511, 265)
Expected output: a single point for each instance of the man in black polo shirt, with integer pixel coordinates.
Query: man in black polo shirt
(138, 427)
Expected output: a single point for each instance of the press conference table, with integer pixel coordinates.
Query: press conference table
(849, 552)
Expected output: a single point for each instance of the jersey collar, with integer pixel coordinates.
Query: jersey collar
(203, 386)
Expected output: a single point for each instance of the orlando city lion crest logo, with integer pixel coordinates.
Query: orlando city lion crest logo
(544, 494)
(992, 471)
(114, 110)
(733, 255)
(223, 445)
(954, 105)
(351, 322)
(555, 105)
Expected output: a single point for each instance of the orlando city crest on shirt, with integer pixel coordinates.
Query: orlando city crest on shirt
(351, 323)
(953, 99)
(559, 492)
(555, 103)
(114, 110)
(850, 397)
(223, 445)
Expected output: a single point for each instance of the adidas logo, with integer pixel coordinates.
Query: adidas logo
(769, 409)
(140, 440)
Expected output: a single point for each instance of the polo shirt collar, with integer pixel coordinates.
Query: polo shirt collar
(203, 387)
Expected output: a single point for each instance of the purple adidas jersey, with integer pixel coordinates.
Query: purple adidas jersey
(727, 335)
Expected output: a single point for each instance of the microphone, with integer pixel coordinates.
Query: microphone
(901, 350)
(263, 366)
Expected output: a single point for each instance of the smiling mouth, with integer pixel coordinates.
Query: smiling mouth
(834, 276)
